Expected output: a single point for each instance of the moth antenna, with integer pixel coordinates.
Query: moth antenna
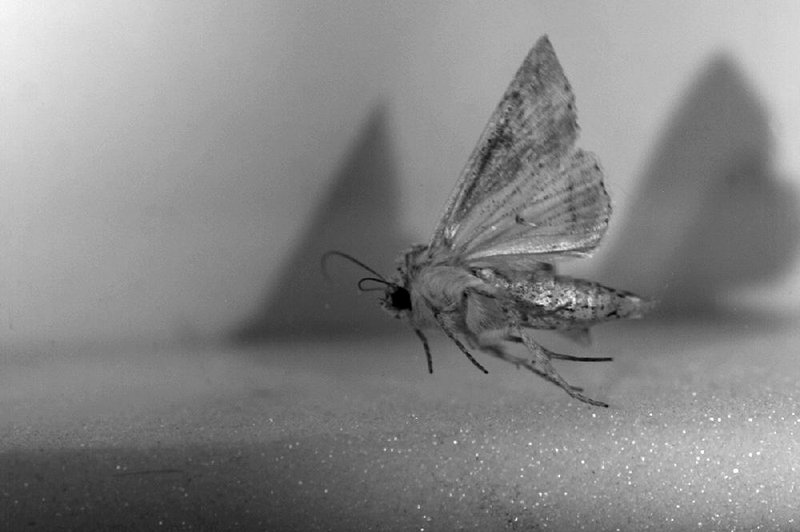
(375, 280)
(323, 262)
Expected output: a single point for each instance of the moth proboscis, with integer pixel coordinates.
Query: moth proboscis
(526, 198)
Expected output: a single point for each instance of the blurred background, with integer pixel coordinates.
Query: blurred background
(172, 171)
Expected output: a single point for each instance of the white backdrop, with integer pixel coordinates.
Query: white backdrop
(161, 159)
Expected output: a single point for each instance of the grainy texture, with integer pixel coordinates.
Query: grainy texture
(357, 436)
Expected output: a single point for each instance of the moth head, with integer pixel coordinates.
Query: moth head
(396, 298)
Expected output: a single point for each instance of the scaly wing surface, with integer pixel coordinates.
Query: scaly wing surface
(526, 190)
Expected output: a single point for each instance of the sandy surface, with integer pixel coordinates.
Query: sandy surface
(702, 433)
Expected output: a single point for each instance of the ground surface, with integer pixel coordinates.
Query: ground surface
(702, 433)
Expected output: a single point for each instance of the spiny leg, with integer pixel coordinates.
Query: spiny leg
(427, 349)
(551, 355)
(497, 351)
(542, 359)
(572, 358)
(450, 334)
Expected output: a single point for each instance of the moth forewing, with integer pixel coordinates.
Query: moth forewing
(533, 125)
(527, 197)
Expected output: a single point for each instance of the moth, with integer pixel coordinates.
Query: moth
(526, 198)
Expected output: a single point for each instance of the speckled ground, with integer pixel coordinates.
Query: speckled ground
(702, 433)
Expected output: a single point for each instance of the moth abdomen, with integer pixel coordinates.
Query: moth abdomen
(548, 301)
(577, 301)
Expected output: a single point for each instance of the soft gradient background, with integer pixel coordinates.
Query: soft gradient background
(161, 161)
(170, 173)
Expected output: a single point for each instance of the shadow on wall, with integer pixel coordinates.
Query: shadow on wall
(710, 215)
(359, 216)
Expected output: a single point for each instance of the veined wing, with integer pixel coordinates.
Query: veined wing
(526, 189)
(562, 209)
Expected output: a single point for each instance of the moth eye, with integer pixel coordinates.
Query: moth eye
(400, 299)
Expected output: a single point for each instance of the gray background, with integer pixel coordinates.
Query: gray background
(163, 162)
(172, 358)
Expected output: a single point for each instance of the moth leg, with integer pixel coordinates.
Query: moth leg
(502, 354)
(427, 349)
(558, 356)
(572, 358)
(448, 330)
(495, 348)
(542, 359)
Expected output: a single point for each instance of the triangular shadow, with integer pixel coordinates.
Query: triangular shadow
(359, 215)
(711, 216)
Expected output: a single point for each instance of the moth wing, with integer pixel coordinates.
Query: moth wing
(563, 210)
(511, 264)
(525, 188)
